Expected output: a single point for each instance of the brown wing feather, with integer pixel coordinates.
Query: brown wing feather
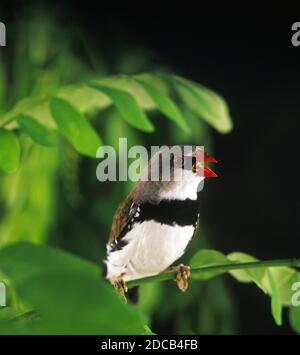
(121, 218)
(126, 209)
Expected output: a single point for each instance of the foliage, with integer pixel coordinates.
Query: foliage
(80, 299)
(41, 116)
(274, 281)
(84, 303)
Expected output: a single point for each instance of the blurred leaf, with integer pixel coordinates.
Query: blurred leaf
(22, 68)
(82, 97)
(9, 151)
(24, 105)
(34, 194)
(149, 297)
(67, 291)
(3, 84)
(207, 257)
(8, 313)
(148, 331)
(75, 127)
(275, 281)
(127, 84)
(38, 133)
(154, 80)
(165, 105)
(215, 308)
(294, 316)
(14, 321)
(285, 277)
(258, 275)
(131, 95)
(204, 102)
(276, 306)
(127, 107)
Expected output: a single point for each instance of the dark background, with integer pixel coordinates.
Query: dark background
(247, 56)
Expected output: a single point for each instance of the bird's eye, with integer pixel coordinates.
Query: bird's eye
(178, 161)
(189, 163)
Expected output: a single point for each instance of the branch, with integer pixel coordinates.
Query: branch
(170, 275)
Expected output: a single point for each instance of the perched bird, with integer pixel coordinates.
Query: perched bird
(155, 222)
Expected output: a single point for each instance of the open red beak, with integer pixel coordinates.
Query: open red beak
(209, 173)
(209, 159)
(206, 171)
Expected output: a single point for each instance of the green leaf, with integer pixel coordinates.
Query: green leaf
(165, 104)
(69, 293)
(274, 281)
(207, 257)
(9, 151)
(276, 306)
(75, 127)
(294, 316)
(257, 275)
(148, 331)
(204, 102)
(84, 98)
(81, 96)
(127, 107)
(12, 320)
(38, 133)
(153, 80)
(285, 277)
(131, 95)
(3, 83)
(126, 83)
(150, 296)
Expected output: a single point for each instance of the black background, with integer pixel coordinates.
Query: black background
(247, 56)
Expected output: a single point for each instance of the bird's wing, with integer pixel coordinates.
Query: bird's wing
(121, 219)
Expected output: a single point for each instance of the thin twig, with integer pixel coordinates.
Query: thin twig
(169, 274)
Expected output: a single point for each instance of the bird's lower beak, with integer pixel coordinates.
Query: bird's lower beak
(209, 172)
(202, 170)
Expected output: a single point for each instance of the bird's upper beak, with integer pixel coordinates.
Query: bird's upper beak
(202, 158)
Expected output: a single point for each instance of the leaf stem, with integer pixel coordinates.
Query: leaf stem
(169, 274)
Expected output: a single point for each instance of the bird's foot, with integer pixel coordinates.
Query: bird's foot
(182, 275)
(120, 287)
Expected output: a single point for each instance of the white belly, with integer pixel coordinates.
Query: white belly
(152, 248)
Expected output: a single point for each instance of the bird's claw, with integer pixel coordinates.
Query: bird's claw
(120, 287)
(182, 275)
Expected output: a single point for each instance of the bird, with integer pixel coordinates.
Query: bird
(153, 225)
